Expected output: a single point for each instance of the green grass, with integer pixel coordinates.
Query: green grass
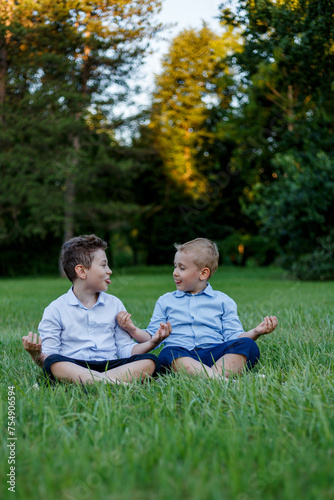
(268, 437)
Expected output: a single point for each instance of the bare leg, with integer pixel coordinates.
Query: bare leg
(194, 367)
(70, 372)
(137, 370)
(230, 364)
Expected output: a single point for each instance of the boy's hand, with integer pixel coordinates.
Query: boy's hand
(125, 322)
(32, 344)
(164, 331)
(268, 325)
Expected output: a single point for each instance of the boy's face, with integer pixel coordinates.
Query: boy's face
(98, 275)
(187, 276)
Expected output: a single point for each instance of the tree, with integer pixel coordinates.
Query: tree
(184, 91)
(283, 96)
(196, 191)
(64, 66)
(297, 213)
(286, 84)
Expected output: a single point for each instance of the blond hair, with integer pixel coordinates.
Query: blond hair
(204, 251)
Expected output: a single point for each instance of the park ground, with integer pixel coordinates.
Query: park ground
(268, 435)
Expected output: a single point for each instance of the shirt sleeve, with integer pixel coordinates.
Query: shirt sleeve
(50, 329)
(124, 342)
(158, 316)
(231, 324)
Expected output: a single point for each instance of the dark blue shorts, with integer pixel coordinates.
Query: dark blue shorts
(245, 346)
(99, 366)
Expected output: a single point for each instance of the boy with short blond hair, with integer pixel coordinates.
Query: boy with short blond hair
(207, 336)
(80, 337)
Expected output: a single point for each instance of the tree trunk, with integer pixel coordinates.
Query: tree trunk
(290, 108)
(7, 13)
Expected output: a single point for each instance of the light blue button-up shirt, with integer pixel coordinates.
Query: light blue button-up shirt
(198, 320)
(70, 329)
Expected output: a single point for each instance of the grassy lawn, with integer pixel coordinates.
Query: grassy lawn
(270, 435)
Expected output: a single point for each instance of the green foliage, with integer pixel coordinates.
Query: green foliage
(285, 88)
(180, 108)
(296, 212)
(63, 68)
(318, 264)
(225, 109)
(185, 165)
(242, 248)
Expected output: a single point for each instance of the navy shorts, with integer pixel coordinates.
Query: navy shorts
(208, 356)
(99, 366)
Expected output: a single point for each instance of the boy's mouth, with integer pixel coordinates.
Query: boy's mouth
(108, 281)
(178, 282)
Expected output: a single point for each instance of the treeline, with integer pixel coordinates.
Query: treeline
(237, 145)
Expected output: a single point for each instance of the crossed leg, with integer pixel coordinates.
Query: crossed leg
(226, 366)
(230, 364)
(70, 372)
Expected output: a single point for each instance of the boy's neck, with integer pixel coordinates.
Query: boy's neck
(87, 297)
(201, 290)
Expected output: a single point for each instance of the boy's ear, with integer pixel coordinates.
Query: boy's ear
(80, 271)
(205, 273)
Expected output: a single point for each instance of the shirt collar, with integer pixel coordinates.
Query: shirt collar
(207, 291)
(74, 301)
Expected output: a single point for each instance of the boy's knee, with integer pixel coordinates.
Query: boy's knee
(183, 364)
(253, 352)
(170, 354)
(150, 366)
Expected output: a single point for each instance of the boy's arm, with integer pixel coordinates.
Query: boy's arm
(163, 332)
(268, 325)
(33, 346)
(124, 320)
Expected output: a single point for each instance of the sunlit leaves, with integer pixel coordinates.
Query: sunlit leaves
(185, 92)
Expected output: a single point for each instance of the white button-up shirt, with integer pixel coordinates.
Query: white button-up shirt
(71, 329)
